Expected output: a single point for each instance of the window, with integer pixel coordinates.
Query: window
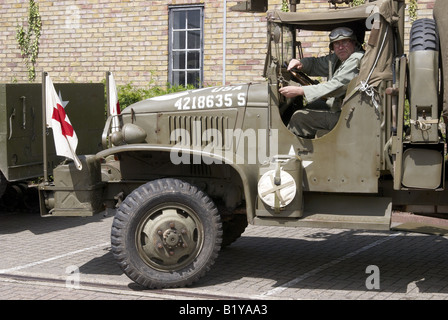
(186, 46)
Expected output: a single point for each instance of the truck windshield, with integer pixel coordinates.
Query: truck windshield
(281, 43)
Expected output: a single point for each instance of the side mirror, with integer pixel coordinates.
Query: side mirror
(277, 35)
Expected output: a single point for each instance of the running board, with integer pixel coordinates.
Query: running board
(338, 211)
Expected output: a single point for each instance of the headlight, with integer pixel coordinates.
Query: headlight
(129, 134)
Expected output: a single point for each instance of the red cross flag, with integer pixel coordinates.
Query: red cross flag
(65, 138)
(114, 104)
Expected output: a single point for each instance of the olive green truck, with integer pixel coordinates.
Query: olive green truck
(185, 173)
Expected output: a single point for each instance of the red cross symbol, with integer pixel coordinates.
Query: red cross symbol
(59, 115)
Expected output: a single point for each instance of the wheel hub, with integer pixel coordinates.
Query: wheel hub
(169, 238)
(172, 239)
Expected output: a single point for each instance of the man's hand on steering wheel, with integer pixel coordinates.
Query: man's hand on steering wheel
(295, 64)
(294, 67)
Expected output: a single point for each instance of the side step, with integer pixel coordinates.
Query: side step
(338, 211)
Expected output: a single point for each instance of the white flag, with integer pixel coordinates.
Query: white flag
(114, 104)
(65, 138)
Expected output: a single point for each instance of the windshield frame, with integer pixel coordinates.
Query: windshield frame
(281, 46)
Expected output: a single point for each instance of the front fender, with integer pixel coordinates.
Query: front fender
(247, 174)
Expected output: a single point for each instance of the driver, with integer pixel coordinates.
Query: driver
(325, 99)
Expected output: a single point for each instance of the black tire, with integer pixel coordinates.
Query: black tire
(423, 36)
(233, 229)
(166, 233)
(3, 184)
(13, 198)
(424, 50)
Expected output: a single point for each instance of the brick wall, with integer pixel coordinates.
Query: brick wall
(82, 39)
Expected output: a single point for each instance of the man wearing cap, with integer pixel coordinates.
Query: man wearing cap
(325, 99)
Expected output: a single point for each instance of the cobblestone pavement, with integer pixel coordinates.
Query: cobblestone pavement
(44, 258)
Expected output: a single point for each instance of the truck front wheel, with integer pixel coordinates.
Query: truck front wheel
(166, 233)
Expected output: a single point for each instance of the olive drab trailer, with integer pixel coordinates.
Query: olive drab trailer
(186, 172)
(21, 141)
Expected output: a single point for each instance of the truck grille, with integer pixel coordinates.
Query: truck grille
(198, 131)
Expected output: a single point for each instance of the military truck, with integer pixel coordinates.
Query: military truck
(186, 173)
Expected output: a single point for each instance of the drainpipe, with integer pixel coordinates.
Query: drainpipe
(224, 44)
(293, 5)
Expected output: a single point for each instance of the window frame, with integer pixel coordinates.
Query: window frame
(171, 50)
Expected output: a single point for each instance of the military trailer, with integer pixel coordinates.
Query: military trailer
(21, 142)
(186, 172)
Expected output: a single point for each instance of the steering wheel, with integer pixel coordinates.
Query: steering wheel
(291, 105)
(302, 78)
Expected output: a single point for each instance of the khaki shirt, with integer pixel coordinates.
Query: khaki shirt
(334, 89)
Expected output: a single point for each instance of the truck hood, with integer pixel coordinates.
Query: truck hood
(219, 97)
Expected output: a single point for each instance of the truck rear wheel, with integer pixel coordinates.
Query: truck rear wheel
(3, 184)
(166, 233)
